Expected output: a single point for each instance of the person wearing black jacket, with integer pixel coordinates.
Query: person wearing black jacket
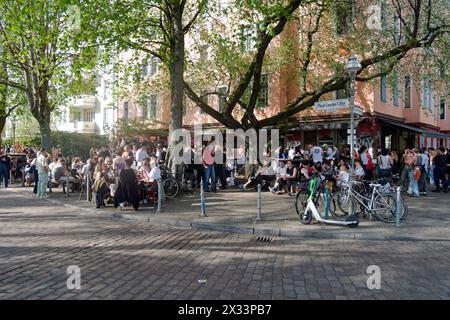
(440, 163)
(5, 167)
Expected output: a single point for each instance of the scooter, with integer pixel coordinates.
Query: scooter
(312, 212)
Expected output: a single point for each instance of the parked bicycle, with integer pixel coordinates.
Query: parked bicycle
(373, 199)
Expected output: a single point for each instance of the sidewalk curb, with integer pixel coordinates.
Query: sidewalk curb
(266, 231)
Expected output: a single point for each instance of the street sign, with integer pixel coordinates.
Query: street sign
(349, 131)
(331, 105)
(358, 111)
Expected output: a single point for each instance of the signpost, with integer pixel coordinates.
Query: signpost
(331, 105)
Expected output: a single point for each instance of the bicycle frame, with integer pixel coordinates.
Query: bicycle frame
(360, 198)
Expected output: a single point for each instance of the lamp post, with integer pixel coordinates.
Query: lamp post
(352, 67)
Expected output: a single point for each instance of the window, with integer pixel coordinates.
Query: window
(263, 97)
(222, 98)
(397, 30)
(204, 97)
(153, 66)
(125, 110)
(75, 116)
(344, 17)
(249, 35)
(89, 116)
(144, 70)
(426, 94)
(143, 103)
(152, 104)
(341, 94)
(395, 94)
(383, 89)
(435, 107)
(407, 93)
(442, 108)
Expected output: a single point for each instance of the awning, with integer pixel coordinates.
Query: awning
(427, 133)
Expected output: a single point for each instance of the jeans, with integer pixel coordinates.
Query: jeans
(403, 176)
(42, 184)
(209, 172)
(439, 175)
(422, 183)
(4, 175)
(413, 188)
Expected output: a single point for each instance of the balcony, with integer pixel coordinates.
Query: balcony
(84, 102)
(86, 127)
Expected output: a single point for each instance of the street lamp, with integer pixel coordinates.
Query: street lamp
(352, 67)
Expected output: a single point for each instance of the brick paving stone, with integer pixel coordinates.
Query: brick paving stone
(133, 259)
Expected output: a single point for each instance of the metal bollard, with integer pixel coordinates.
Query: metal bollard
(327, 198)
(258, 204)
(87, 188)
(397, 209)
(160, 194)
(202, 200)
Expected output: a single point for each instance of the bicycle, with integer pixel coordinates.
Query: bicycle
(170, 184)
(302, 196)
(376, 201)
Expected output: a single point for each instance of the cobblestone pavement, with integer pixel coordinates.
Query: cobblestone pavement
(122, 259)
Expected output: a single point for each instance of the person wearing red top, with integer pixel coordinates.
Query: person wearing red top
(208, 167)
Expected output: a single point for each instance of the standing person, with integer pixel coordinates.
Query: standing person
(5, 167)
(316, 154)
(366, 162)
(394, 157)
(422, 163)
(385, 164)
(128, 188)
(208, 167)
(328, 152)
(447, 168)
(42, 169)
(220, 167)
(440, 163)
(410, 163)
(141, 154)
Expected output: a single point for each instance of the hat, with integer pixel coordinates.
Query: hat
(325, 146)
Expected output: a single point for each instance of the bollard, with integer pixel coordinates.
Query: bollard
(258, 204)
(397, 209)
(202, 200)
(87, 188)
(327, 197)
(160, 194)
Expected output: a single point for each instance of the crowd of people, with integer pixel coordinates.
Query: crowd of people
(125, 174)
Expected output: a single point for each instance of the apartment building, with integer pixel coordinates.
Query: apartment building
(91, 113)
(395, 114)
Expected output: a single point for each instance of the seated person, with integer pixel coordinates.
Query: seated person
(60, 173)
(359, 170)
(100, 187)
(280, 171)
(260, 174)
(343, 176)
(291, 176)
(128, 189)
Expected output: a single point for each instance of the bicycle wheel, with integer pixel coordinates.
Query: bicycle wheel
(341, 205)
(171, 188)
(405, 209)
(384, 207)
(301, 201)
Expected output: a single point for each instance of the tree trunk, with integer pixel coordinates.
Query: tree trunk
(44, 126)
(177, 75)
(2, 126)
